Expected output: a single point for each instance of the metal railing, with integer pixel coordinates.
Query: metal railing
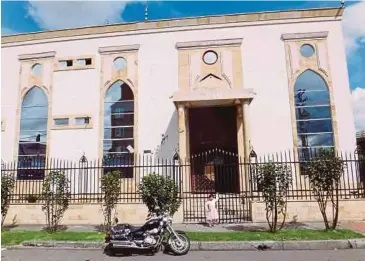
(196, 177)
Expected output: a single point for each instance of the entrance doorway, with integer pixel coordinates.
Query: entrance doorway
(213, 149)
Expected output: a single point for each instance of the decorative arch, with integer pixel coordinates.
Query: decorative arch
(118, 128)
(126, 81)
(33, 131)
(316, 71)
(25, 91)
(313, 115)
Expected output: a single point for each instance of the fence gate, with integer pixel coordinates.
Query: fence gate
(216, 171)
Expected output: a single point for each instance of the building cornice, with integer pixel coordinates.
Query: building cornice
(118, 49)
(35, 56)
(302, 36)
(209, 43)
(323, 13)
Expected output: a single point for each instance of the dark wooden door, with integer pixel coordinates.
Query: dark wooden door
(213, 148)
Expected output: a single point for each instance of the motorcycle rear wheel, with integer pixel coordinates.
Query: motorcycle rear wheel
(176, 247)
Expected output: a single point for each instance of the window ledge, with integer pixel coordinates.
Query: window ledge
(70, 127)
(72, 124)
(71, 68)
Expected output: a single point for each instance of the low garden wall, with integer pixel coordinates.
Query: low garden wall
(305, 211)
(91, 214)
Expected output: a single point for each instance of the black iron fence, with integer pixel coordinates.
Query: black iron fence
(215, 171)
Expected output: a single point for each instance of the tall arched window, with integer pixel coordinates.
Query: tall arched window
(33, 135)
(313, 114)
(118, 141)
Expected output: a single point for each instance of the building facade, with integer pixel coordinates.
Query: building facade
(270, 81)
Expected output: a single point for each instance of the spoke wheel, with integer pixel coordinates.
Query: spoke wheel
(179, 247)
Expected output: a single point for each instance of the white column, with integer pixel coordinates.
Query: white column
(246, 128)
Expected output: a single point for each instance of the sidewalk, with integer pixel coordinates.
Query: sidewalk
(358, 226)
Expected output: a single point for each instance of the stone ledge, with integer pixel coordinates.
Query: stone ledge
(219, 246)
(35, 56)
(259, 17)
(209, 43)
(301, 36)
(118, 49)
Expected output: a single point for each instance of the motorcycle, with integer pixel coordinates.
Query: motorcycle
(155, 233)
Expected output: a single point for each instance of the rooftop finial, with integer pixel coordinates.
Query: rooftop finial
(146, 12)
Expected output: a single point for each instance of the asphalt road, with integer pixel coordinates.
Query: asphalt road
(96, 255)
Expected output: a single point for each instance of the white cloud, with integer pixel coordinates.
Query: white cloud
(69, 14)
(358, 100)
(7, 31)
(354, 26)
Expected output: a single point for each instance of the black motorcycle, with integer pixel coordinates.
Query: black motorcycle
(154, 234)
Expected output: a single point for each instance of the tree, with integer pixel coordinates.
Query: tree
(110, 187)
(156, 189)
(273, 180)
(56, 195)
(7, 186)
(324, 172)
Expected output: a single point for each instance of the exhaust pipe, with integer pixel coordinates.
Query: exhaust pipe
(121, 244)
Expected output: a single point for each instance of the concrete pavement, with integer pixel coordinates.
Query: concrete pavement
(97, 255)
(220, 246)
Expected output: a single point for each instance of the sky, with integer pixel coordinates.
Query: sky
(33, 16)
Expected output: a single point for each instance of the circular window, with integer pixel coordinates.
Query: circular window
(306, 50)
(36, 69)
(210, 57)
(120, 63)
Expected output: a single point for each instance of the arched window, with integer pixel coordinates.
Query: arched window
(118, 141)
(33, 135)
(313, 114)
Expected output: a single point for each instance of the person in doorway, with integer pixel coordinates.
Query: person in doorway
(211, 210)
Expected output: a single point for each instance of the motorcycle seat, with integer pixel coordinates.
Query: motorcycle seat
(134, 228)
(129, 226)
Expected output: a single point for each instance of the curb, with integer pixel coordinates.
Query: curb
(219, 246)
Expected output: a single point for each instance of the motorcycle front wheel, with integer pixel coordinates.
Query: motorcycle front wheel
(176, 247)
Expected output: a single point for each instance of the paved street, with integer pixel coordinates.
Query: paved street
(96, 255)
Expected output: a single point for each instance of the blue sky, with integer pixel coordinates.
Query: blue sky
(32, 16)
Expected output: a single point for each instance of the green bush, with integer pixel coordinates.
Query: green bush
(273, 180)
(110, 187)
(7, 186)
(56, 195)
(325, 172)
(164, 190)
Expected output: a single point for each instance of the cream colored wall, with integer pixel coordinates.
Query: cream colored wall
(81, 214)
(341, 90)
(304, 211)
(91, 214)
(263, 69)
(75, 93)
